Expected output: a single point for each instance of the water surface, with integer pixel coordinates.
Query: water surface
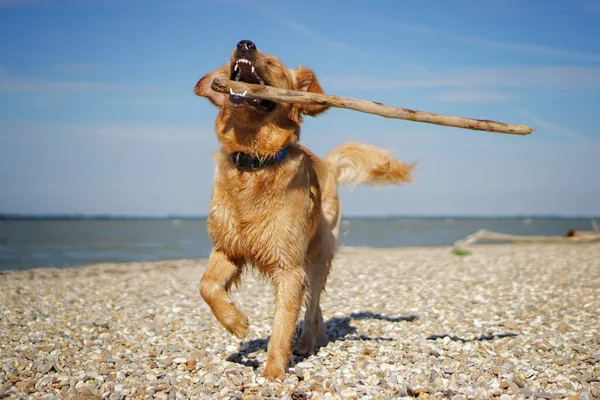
(68, 243)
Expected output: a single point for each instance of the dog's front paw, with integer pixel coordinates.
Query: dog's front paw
(237, 325)
(273, 372)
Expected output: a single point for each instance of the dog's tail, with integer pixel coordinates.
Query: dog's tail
(357, 163)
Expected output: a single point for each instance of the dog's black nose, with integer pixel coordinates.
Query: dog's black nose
(245, 47)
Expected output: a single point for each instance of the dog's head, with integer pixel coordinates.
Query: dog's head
(250, 65)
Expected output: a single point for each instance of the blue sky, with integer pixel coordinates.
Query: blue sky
(97, 113)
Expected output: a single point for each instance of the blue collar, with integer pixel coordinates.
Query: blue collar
(247, 162)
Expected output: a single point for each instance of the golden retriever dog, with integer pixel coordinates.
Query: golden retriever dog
(275, 204)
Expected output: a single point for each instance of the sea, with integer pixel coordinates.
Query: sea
(72, 242)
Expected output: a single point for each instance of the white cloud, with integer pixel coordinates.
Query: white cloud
(11, 82)
(130, 132)
(18, 3)
(365, 82)
(147, 133)
(489, 44)
(561, 77)
(533, 49)
(41, 85)
(303, 30)
(578, 139)
(80, 68)
(545, 124)
(543, 76)
(473, 96)
(591, 6)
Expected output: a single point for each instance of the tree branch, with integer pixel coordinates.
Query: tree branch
(291, 96)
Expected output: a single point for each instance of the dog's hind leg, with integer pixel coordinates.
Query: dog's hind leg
(218, 278)
(289, 290)
(313, 330)
(320, 256)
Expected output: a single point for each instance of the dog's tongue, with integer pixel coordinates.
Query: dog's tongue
(237, 99)
(234, 98)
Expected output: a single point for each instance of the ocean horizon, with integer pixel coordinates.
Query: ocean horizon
(73, 240)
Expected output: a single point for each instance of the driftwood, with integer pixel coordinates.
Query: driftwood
(279, 95)
(580, 237)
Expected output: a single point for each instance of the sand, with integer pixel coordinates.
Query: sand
(507, 321)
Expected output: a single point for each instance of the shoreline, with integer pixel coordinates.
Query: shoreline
(507, 320)
(133, 264)
(342, 250)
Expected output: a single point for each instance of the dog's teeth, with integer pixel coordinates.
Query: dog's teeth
(244, 94)
(237, 66)
(231, 91)
(253, 70)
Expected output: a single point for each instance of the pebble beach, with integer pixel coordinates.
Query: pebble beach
(505, 322)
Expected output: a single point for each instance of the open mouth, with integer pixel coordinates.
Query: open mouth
(243, 71)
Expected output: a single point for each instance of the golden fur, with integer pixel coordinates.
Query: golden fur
(281, 219)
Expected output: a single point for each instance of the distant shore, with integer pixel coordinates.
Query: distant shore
(505, 320)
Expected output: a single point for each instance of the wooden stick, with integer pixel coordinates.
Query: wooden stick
(291, 96)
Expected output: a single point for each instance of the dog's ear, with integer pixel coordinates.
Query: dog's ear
(305, 80)
(203, 86)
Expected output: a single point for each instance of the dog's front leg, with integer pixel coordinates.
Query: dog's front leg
(218, 278)
(289, 292)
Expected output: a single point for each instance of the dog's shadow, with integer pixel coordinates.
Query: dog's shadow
(340, 329)
(337, 328)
